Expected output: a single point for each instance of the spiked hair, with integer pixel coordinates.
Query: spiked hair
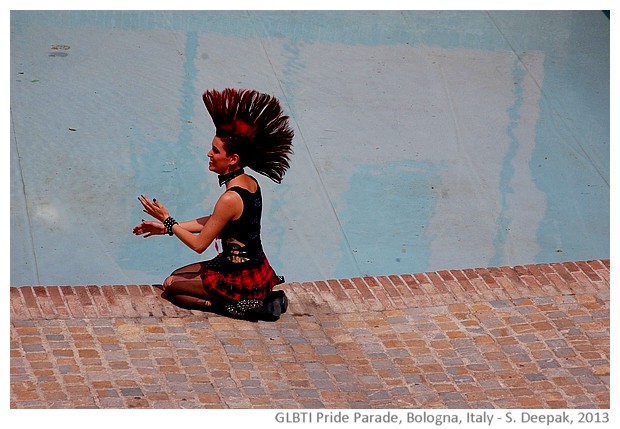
(253, 126)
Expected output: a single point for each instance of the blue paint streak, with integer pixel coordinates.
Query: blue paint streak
(189, 93)
(508, 170)
(173, 172)
(191, 157)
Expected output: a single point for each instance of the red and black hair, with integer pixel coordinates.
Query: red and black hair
(253, 126)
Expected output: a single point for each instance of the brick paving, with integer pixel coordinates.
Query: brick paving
(534, 336)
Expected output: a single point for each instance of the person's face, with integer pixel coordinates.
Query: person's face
(219, 161)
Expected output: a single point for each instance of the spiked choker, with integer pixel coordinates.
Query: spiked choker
(225, 178)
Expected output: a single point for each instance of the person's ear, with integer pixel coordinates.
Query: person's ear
(234, 160)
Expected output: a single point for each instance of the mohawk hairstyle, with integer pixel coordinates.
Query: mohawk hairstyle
(253, 126)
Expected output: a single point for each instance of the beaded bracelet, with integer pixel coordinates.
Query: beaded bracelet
(169, 223)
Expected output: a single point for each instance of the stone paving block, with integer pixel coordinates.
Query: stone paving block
(533, 336)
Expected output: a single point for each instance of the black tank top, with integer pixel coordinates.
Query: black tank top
(241, 241)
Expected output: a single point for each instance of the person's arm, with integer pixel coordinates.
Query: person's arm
(149, 228)
(225, 210)
(228, 206)
(196, 225)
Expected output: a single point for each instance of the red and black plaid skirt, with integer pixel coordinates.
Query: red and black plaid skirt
(224, 282)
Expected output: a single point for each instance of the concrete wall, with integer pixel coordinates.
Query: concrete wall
(424, 140)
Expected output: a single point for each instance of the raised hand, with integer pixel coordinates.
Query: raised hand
(149, 228)
(154, 208)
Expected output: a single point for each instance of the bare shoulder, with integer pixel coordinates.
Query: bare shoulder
(229, 198)
(229, 205)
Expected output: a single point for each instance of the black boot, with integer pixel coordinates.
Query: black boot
(274, 305)
(278, 297)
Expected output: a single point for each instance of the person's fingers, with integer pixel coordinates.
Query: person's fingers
(145, 201)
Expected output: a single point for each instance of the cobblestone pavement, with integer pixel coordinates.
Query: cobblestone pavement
(533, 336)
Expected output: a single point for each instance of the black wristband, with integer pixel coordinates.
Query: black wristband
(169, 223)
